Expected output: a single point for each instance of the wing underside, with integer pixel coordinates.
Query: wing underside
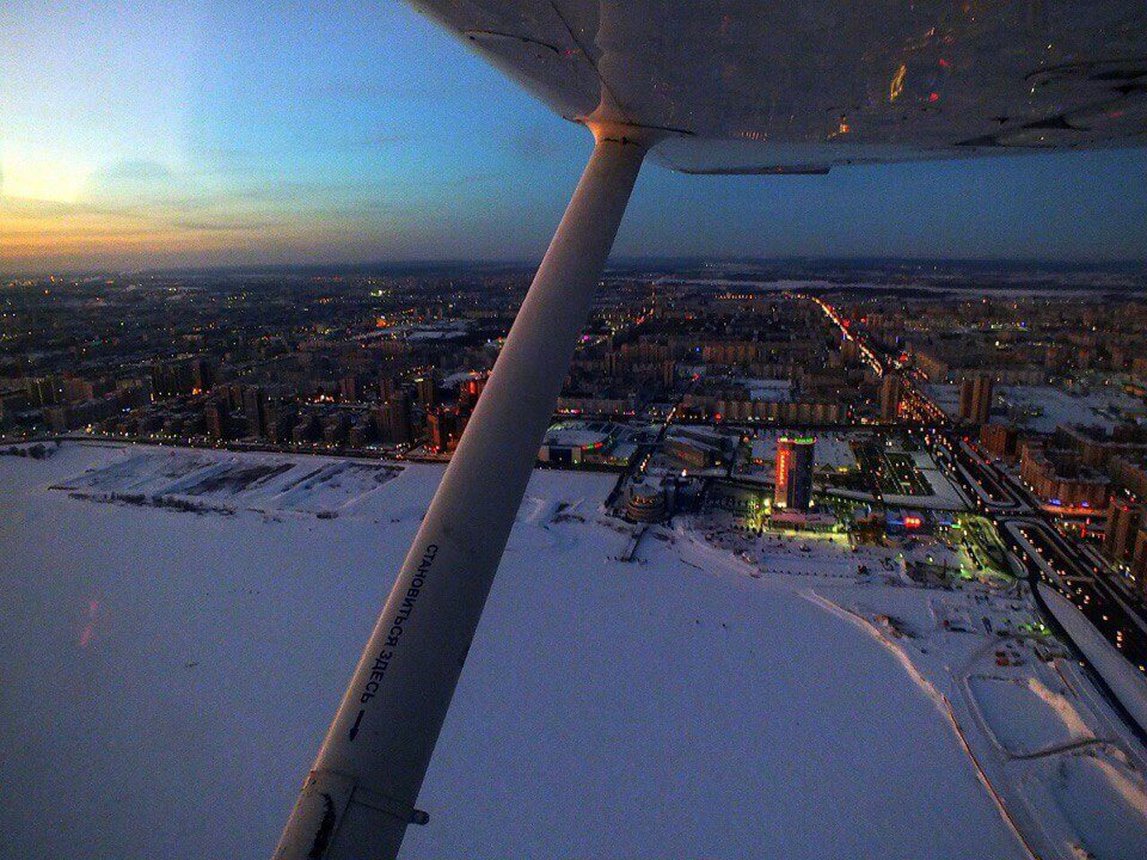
(746, 86)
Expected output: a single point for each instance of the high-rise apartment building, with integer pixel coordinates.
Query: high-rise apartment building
(1123, 521)
(891, 393)
(976, 398)
(794, 472)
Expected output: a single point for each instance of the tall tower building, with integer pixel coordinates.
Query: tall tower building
(444, 427)
(202, 375)
(427, 392)
(891, 392)
(393, 420)
(1123, 522)
(215, 420)
(255, 410)
(387, 388)
(976, 398)
(1139, 562)
(794, 472)
(348, 388)
(468, 393)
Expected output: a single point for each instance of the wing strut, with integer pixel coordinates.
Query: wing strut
(360, 795)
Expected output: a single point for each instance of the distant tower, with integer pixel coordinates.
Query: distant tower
(468, 393)
(215, 419)
(891, 392)
(393, 420)
(387, 388)
(348, 388)
(1123, 522)
(427, 393)
(1139, 562)
(976, 398)
(202, 375)
(444, 427)
(255, 409)
(794, 472)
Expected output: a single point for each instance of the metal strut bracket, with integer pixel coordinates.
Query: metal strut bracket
(360, 795)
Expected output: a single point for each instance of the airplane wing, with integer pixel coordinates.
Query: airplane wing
(802, 85)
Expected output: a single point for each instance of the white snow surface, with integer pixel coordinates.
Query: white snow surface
(225, 482)
(168, 675)
(1125, 682)
(1104, 805)
(1043, 407)
(1049, 719)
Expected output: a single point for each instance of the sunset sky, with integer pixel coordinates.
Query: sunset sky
(146, 134)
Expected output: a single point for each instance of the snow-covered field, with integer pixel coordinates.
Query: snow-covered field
(1050, 720)
(1043, 407)
(210, 480)
(167, 677)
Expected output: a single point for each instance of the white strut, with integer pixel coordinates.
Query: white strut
(360, 794)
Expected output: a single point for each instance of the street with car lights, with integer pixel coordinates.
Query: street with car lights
(1036, 545)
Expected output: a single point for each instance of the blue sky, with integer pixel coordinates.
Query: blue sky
(136, 135)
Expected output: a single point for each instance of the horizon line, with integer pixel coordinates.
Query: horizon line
(614, 263)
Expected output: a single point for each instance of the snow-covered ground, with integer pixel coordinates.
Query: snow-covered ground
(1051, 720)
(168, 675)
(1043, 407)
(210, 480)
(946, 396)
(1044, 742)
(768, 390)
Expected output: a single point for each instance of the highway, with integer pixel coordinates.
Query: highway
(1028, 530)
(1065, 565)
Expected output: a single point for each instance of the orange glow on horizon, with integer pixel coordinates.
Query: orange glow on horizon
(39, 235)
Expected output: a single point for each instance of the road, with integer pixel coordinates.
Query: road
(1066, 565)
(1017, 515)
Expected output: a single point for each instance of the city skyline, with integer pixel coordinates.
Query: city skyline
(371, 135)
(243, 447)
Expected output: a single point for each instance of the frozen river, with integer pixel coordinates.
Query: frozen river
(168, 675)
